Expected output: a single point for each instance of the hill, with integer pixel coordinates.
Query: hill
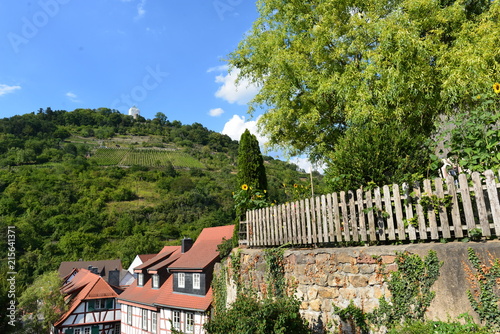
(96, 184)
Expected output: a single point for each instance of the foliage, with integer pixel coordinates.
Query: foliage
(219, 287)
(484, 295)
(247, 315)
(378, 154)
(275, 273)
(432, 327)
(43, 303)
(474, 135)
(354, 316)
(410, 289)
(248, 198)
(323, 65)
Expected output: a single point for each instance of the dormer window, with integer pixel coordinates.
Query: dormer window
(156, 281)
(196, 281)
(181, 280)
(140, 279)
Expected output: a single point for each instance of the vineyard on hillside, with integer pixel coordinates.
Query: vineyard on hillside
(144, 157)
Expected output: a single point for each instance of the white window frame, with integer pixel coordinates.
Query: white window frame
(144, 319)
(181, 280)
(156, 281)
(154, 322)
(176, 319)
(189, 322)
(129, 315)
(77, 331)
(140, 279)
(196, 281)
(86, 330)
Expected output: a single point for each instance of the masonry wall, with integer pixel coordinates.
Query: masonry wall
(324, 277)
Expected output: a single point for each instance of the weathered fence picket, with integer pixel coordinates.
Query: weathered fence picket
(453, 207)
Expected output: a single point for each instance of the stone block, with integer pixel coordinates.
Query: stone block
(388, 259)
(347, 293)
(312, 293)
(350, 268)
(321, 279)
(358, 281)
(337, 280)
(326, 305)
(315, 305)
(322, 259)
(345, 258)
(304, 305)
(366, 269)
(328, 293)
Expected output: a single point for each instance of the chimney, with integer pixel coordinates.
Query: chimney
(186, 244)
(114, 277)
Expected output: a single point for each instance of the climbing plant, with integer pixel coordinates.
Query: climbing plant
(410, 287)
(484, 294)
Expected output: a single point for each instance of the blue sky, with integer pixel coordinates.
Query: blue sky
(159, 55)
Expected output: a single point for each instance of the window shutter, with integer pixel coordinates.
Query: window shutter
(95, 329)
(69, 331)
(109, 303)
(91, 304)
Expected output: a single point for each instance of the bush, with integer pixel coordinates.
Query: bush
(247, 315)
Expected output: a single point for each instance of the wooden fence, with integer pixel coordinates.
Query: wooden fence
(451, 208)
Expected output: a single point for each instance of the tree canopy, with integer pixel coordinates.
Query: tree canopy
(251, 170)
(326, 65)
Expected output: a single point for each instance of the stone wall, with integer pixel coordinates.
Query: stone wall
(323, 277)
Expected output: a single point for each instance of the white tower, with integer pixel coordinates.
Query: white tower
(134, 112)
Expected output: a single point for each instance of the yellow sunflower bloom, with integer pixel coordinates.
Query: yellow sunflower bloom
(244, 187)
(496, 87)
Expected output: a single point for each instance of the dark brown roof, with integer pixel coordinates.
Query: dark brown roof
(103, 267)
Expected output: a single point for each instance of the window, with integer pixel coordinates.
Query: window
(189, 322)
(140, 280)
(176, 319)
(153, 322)
(86, 330)
(116, 329)
(156, 281)
(145, 319)
(181, 280)
(196, 281)
(78, 331)
(129, 315)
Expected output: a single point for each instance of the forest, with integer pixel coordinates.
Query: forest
(67, 205)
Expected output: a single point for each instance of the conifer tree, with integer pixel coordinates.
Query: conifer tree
(251, 170)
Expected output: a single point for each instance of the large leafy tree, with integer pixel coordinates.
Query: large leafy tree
(325, 66)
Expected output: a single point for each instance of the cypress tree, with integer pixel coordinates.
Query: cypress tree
(251, 170)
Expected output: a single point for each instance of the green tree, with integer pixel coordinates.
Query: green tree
(42, 303)
(326, 65)
(251, 170)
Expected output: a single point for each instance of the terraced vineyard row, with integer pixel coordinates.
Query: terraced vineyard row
(144, 157)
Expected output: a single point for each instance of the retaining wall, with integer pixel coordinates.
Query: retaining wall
(323, 277)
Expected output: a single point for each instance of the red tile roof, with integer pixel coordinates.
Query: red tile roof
(172, 299)
(202, 253)
(204, 250)
(85, 285)
(166, 252)
(145, 257)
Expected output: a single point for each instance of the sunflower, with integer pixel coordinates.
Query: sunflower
(496, 87)
(244, 187)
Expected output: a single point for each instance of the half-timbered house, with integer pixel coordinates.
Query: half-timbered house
(172, 289)
(93, 308)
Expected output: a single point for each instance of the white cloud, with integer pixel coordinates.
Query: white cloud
(216, 112)
(235, 127)
(5, 89)
(306, 165)
(140, 9)
(239, 93)
(72, 97)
